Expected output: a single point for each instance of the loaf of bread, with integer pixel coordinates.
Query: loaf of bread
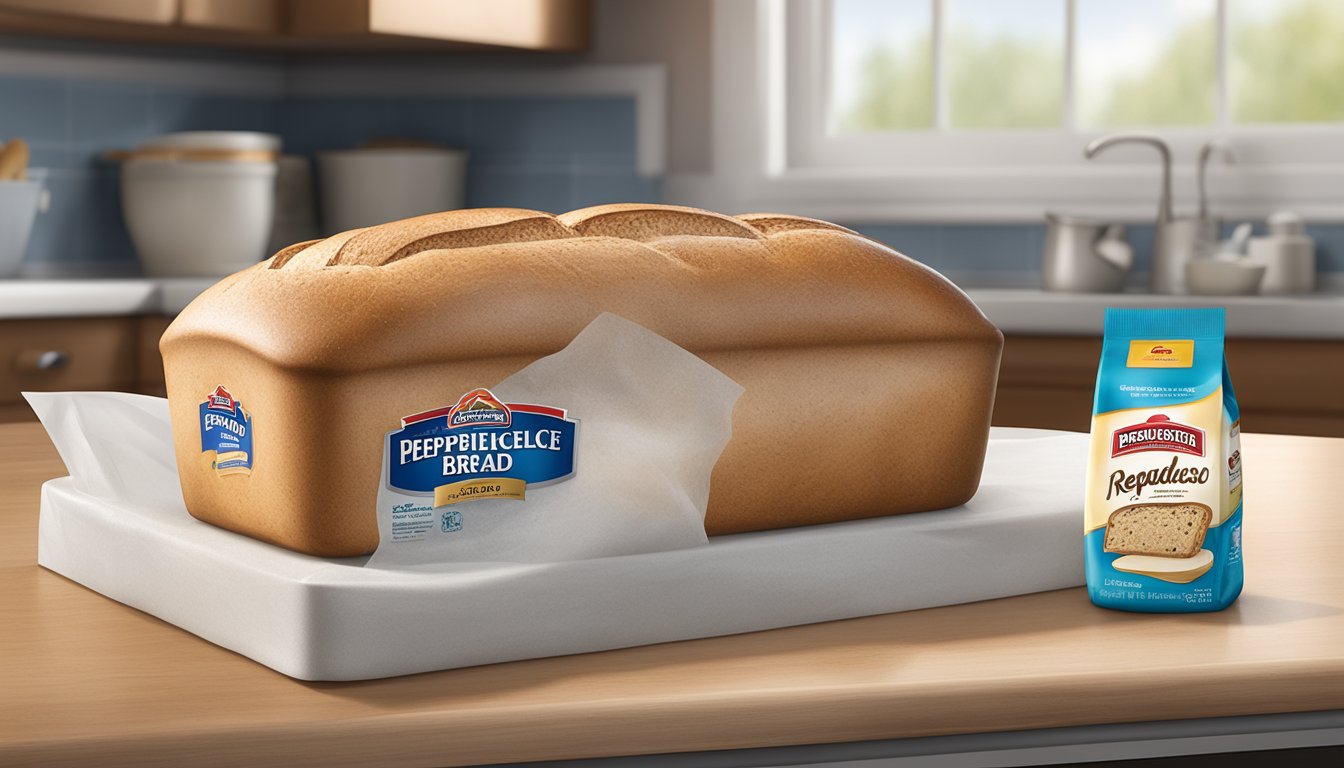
(1159, 530)
(869, 377)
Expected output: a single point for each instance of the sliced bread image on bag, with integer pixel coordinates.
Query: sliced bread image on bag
(1162, 512)
(1160, 530)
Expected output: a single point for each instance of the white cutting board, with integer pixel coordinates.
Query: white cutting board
(318, 619)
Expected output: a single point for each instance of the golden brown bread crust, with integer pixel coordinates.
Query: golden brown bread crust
(370, 325)
(714, 291)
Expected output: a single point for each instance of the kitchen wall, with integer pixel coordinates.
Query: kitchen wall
(1009, 255)
(70, 123)
(550, 153)
(547, 153)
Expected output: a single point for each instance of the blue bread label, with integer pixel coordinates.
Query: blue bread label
(226, 431)
(480, 448)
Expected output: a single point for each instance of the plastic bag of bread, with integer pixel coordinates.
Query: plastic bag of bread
(1163, 504)
(869, 378)
(504, 475)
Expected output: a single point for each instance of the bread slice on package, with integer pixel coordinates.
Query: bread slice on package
(1177, 570)
(1158, 530)
(869, 378)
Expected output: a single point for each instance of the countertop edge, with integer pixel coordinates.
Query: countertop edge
(1015, 311)
(760, 719)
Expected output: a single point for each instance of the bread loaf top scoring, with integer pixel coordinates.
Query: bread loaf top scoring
(502, 281)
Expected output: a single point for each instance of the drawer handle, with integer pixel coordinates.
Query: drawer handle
(32, 361)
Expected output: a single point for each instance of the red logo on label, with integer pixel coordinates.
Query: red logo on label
(1161, 350)
(1158, 433)
(221, 400)
(479, 407)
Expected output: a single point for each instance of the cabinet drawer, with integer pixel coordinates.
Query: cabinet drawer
(149, 365)
(1284, 386)
(260, 17)
(126, 11)
(535, 25)
(1051, 362)
(1287, 374)
(67, 354)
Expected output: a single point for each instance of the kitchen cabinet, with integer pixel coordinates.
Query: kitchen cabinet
(301, 25)
(149, 12)
(247, 23)
(83, 353)
(1285, 386)
(92, 353)
(257, 17)
(539, 25)
(148, 361)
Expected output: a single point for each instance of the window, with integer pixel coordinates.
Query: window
(979, 110)
(1002, 64)
(967, 65)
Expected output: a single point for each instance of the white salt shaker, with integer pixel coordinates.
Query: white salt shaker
(1288, 254)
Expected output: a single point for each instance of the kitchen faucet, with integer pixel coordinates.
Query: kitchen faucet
(1164, 214)
(1206, 153)
(1176, 240)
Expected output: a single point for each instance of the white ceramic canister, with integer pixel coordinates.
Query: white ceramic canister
(1288, 255)
(295, 203)
(364, 187)
(213, 141)
(198, 218)
(20, 202)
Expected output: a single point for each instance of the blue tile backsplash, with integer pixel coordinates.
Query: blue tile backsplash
(552, 154)
(999, 248)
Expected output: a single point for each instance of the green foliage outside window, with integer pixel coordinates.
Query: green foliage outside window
(1291, 68)
(1285, 65)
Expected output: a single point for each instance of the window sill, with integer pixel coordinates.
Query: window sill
(1121, 194)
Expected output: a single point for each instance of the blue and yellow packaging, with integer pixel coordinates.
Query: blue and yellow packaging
(1162, 513)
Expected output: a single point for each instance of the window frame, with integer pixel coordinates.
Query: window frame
(771, 149)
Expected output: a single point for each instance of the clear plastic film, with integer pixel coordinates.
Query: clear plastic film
(649, 418)
(647, 421)
(117, 446)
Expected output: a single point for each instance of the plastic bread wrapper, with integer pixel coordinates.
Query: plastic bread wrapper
(652, 421)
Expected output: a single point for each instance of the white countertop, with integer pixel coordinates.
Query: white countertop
(1014, 310)
(1034, 311)
(26, 298)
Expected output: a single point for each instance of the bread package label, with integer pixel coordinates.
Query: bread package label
(604, 448)
(477, 448)
(1163, 508)
(226, 431)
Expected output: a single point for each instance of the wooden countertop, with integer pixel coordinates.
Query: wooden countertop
(87, 680)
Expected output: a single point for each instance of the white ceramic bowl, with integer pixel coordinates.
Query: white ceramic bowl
(1223, 277)
(198, 219)
(20, 202)
(242, 141)
(364, 187)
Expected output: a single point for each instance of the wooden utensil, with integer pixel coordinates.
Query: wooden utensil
(14, 160)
